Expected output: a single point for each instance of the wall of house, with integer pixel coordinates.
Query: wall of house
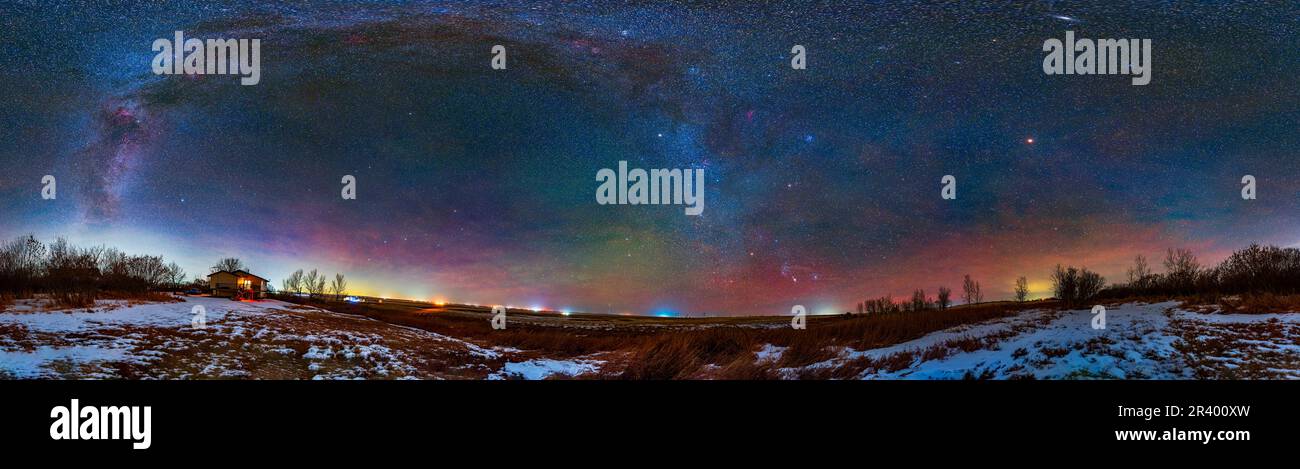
(223, 278)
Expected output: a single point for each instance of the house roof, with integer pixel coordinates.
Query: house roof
(238, 273)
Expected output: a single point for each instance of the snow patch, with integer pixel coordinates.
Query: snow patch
(544, 367)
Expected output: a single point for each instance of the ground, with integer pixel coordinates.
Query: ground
(1139, 341)
(271, 339)
(265, 339)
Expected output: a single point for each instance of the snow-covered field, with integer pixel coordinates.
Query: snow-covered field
(265, 339)
(1139, 341)
(275, 340)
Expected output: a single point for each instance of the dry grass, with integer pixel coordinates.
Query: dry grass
(1239, 350)
(1250, 303)
(86, 299)
(265, 346)
(139, 297)
(1260, 303)
(715, 348)
(682, 355)
(73, 300)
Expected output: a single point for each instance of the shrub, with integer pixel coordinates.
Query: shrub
(1074, 286)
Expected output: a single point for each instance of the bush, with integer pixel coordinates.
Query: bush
(1074, 286)
(1254, 269)
(73, 276)
(1260, 268)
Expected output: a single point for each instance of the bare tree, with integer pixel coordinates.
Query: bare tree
(1065, 283)
(883, 304)
(1073, 286)
(339, 286)
(1022, 289)
(309, 282)
(1181, 269)
(971, 291)
(918, 300)
(20, 264)
(315, 283)
(1140, 273)
(150, 270)
(175, 275)
(1090, 284)
(229, 264)
(945, 297)
(294, 283)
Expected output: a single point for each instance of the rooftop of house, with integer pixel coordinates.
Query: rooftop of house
(238, 273)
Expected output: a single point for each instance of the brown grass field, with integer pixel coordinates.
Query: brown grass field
(640, 347)
(130, 337)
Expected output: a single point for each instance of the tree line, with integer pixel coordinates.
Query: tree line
(314, 284)
(1254, 269)
(74, 274)
(972, 293)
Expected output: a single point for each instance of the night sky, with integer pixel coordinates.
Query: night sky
(822, 185)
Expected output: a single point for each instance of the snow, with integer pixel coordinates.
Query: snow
(1235, 318)
(238, 337)
(34, 364)
(118, 313)
(544, 367)
(770, 352)
(316, 353)
(1138, 342)
(273, 339)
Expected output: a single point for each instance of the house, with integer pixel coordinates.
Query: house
(238, 284)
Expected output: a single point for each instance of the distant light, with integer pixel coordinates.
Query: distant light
(1029, 140)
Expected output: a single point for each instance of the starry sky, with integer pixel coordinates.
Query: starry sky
(822, 185)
